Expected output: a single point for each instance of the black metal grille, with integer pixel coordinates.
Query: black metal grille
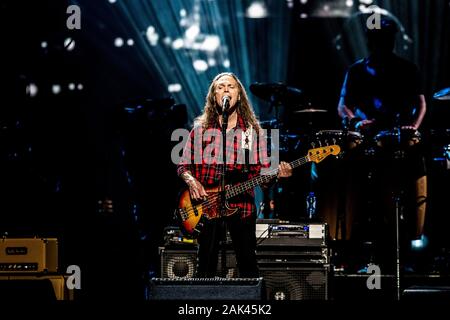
(182, 264)
(178, 264)
(284, 283)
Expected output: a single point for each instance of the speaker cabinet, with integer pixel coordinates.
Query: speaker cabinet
(297, 274)
(182, 264)
(34, 288)
(295, 283)
(178, 263)
(206, 289)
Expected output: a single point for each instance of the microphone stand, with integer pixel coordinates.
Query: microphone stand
(397, 198)
(222, 190)
(224, 160)
(341, 223)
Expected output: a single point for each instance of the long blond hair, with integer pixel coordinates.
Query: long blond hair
(210, 115)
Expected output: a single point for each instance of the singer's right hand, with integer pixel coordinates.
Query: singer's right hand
(196, 189)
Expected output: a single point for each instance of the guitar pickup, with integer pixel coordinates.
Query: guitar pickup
(195, 210)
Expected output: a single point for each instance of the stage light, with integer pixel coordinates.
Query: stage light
(118, 42)
(226, 63)
(200, 65)
(130, 42)
(303, 15)
(211, 43)
(332, 9)
(212, 62)
(44, 44)
(367, 2)
(80, 86)
(373, 9)
(112, 1)
(174, 87)
(177, 44)
(152, 36)
(183, 23)
(192, 32)
(31, 90)
(203, 38)
(69, 44)
(256, 10)
(71, 86)
(303, 1)
(56, 89)
(419, 244)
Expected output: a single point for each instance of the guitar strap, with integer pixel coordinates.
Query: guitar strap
(247, 145)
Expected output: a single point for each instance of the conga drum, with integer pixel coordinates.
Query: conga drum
(337, 194)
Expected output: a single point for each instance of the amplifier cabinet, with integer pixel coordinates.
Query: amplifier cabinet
(34, 288)
(178, 263)
(28, 255)
(292, 273)
(181, 263)
(295, 283)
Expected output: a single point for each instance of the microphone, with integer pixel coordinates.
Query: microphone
(225, 103)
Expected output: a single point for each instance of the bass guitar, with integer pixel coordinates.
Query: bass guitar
(192, 214)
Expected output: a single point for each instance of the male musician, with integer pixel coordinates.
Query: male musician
(225, 88)
(383, 92)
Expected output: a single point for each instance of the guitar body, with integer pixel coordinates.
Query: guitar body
(192, 214)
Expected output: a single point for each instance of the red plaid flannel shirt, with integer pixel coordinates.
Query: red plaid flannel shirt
(209, 172)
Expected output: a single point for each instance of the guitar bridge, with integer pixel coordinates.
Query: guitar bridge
(181, 213)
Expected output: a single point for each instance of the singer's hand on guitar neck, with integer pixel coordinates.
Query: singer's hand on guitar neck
(196, 189)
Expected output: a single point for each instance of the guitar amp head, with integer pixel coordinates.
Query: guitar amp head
(28, 255)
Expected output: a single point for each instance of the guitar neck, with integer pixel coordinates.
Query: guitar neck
(256, 181)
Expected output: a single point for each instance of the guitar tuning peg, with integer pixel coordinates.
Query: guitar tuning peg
(313, 145)
(320, 143)
(334, 140)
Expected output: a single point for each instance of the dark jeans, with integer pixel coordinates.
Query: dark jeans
(242, 232)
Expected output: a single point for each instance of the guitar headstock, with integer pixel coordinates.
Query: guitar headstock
(318, 154)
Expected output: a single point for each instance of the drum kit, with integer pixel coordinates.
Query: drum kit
(395, 142)
(279, 94)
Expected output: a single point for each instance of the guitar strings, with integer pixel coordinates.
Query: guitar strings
(190, 210)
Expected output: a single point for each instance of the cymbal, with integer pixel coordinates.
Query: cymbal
(443, 94)
(277, 93)
(273, 123)
(310, 110)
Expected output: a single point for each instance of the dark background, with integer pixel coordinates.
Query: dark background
(64, 156)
